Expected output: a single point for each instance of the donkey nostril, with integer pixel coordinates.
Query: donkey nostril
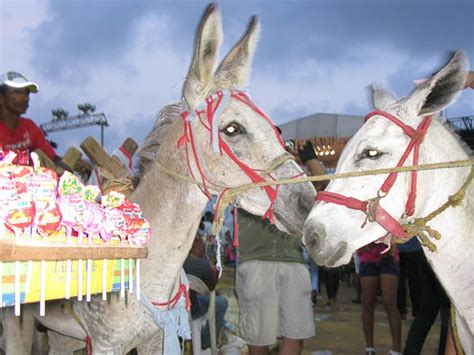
(337, 255)
(313, 242)
(314, 238)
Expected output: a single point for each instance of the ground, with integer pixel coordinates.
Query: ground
(338, 328)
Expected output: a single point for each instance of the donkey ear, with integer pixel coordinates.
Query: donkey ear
(207, 43)
(235, 68)
(438, 92)
(382, 97)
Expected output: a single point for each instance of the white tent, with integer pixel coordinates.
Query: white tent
(322, 125)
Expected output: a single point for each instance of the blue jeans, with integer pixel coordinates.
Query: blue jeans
(221, 307)
(313, 270)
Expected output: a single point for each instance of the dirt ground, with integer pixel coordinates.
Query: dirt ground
(338, 328)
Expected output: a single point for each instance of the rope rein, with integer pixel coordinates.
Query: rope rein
(228, 195)
(454, 331)
(419, 228)
(397, 232)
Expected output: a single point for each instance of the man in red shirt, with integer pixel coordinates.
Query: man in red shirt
(17, 132)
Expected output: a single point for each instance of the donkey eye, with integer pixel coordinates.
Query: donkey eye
(371, 153)
(233, 129)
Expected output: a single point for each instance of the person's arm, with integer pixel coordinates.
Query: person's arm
(40, 142)
(308, 157)
(200, 267)
(469, 80)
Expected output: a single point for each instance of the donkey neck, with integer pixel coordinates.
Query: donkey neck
(174, 208)
(455, 224)
(435, 186)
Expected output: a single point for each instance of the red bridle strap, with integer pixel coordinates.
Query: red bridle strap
(243, 97)
(188, 138)
(371, 207)
(349, 202)
(212, 109)
(182, 290)
(379, 215)
(416, 137)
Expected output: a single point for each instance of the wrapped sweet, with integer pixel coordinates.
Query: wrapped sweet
(114, 223)
(42, 186)
(20, 175)
(142, 235)
(7, 195)
(17, 157)
(71, 203)
(21, 210)
(49, 221)
(93, 212)
(138, 229)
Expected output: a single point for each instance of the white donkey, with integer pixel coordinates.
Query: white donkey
(226, 142)
(333, 232)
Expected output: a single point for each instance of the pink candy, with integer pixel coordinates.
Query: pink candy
(33, 198)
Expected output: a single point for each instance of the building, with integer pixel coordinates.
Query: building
(322, 125)
(328, 132)
(465, 128)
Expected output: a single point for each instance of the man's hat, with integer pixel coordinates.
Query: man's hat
(18, 81)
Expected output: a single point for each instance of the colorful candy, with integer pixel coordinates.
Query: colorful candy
(33, 200)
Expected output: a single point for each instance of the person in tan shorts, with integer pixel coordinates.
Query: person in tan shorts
(273, 282)
(273, 286)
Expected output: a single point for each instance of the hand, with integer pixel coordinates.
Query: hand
(300, 143)
(469, 80)
(307, 152)
(214, 273)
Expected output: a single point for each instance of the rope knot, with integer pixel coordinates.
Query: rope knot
(418, 228)
(456, 199)
(372, 206)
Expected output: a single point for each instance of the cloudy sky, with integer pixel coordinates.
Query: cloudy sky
(129, 58)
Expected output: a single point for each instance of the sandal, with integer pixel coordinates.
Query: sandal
(369, 351)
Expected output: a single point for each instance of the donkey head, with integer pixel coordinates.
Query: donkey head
(232, 140)
(333, 232)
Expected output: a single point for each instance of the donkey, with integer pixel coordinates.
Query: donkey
(217, 115)
(333, 232)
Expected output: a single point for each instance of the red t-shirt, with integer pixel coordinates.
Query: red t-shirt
(372, 253)
(26, 136)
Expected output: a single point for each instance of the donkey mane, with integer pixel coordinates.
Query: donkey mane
(450, 129)
(152, 143)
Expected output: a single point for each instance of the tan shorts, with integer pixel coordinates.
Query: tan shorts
(275, 301)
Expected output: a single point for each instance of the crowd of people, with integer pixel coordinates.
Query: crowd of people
(277, 284)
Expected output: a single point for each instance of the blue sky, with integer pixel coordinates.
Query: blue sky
(129, 58)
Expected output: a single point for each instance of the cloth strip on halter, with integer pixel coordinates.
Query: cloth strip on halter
(380, 215)
(416, 137)
(371, 207)
(124, 156)
(213, 107)
(174, 321)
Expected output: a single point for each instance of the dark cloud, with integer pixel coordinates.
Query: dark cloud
(79, 33)
(330, 30)
(129, 57)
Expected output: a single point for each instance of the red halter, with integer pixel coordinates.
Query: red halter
(213, 107)
(371, 206)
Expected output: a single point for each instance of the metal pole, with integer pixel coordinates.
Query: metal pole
(102, 135)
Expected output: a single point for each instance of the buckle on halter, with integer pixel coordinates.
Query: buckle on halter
(372, 206)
